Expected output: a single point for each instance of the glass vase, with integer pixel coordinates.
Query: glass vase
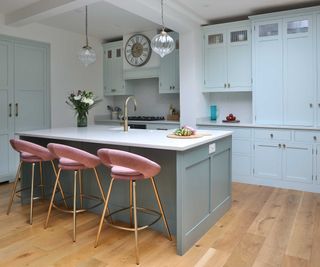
(82, 120)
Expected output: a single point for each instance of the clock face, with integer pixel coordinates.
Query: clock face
(138, 50)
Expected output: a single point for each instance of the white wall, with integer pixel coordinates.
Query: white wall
(193, 103)
(239, 104)
(149, 101)
(67, 74)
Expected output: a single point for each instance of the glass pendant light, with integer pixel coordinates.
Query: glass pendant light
(87, 55)
(162, 43)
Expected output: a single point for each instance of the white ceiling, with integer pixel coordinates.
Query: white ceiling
(106, 21)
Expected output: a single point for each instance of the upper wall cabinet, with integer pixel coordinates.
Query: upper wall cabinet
(169, 69)
(227, 57)
(284, 69)
(113, 81)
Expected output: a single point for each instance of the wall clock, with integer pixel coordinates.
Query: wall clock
(138, 50)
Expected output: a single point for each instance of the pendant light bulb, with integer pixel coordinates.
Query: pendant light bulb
(162, 43)
(87, 55)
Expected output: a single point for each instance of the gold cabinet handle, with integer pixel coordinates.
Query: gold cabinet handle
(17, 110)
(10, 110)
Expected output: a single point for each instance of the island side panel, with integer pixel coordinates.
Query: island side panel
(203, 191)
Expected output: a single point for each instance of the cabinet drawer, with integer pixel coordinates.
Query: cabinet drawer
(272, 134)
(307, 136)
(241, 146)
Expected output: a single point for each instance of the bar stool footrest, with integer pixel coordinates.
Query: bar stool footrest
(144, 210)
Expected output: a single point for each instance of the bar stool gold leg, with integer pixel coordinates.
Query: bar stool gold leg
(14, 188)
(130, 202)
(160, 207)
(80, 189)
(74, 205)
(104, 212)
(59, 185)
(52, 198)
(31, 194)
(41, 180)
(135, 221)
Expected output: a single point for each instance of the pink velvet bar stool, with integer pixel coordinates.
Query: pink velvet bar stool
(126, 166)
(76, 160)
(33, 154)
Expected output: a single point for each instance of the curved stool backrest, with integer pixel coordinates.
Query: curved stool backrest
(113, 157)
(63, 151)
(31, 148)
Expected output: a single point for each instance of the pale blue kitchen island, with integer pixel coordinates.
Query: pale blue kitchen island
(194, 185)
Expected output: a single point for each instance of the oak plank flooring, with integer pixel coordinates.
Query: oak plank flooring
(265, 227)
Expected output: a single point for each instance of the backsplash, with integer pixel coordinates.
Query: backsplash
(239, 104)
(149, 101)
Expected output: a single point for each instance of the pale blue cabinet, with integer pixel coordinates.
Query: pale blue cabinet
(169, 76)
(276, 156)
(299, 70)
(24, 94)
(113, 80)
(317, 107)
(267, 72)
(267, 160)
(284, 71)
(227, 57)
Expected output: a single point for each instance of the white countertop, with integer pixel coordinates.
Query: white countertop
(134, 137)
(208, 122)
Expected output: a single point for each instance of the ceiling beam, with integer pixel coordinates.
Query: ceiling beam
(176, 17)
(43, 9)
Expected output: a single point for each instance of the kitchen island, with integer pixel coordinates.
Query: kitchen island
(194, 183)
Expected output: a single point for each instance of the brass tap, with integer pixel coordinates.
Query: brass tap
(125, 117)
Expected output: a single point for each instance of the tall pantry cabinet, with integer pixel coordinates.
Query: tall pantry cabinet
(24, 94)
(284, 70)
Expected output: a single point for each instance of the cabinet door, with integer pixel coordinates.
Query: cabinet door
(267, 68)
(169, 76)
(297, 163)
(239, 59)
(299, 71)
(113, 69)
(317, 165)
(268, 160)
(215, 60)
(6, 112)
(31, 86)
(318, 68)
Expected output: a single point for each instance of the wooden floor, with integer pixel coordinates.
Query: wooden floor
(265, 227)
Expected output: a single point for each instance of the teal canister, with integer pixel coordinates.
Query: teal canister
(213, 112)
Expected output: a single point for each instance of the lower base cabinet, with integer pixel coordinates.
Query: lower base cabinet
(286, 158)
(291, 162)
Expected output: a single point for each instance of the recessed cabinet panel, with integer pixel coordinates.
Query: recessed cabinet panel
(299, 72)
(298, 163)
(268, 78)
(268, 160)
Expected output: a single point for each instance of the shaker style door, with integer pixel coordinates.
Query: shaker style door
(299, 71)
(267, 68)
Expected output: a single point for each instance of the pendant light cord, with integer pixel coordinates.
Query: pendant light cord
(162, 15)
(87, 43)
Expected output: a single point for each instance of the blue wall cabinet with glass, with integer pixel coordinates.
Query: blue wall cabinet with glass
(284, 70)
(24, 94)
(113, 80)
(227, 57)
(169, 78)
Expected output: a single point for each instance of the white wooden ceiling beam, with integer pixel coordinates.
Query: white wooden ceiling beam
(43, 9)
(176, 17)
